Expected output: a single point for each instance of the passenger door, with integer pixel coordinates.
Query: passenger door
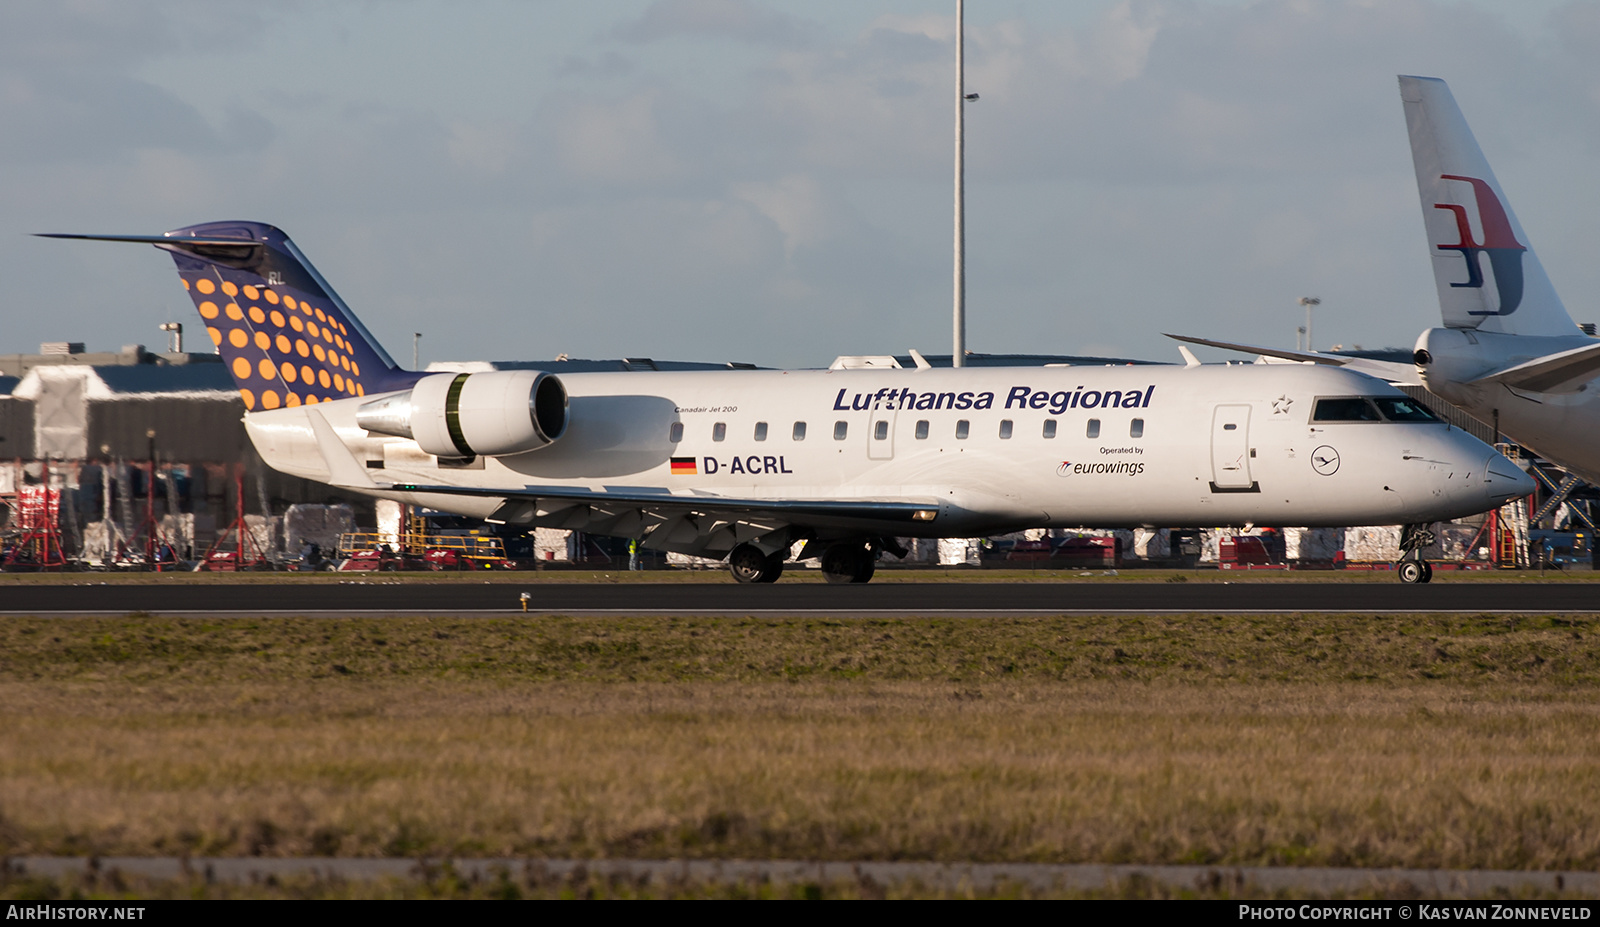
(1230, 449)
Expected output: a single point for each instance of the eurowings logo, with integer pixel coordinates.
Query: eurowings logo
(1499, 244)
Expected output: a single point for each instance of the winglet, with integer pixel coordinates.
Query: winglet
(1396, 373)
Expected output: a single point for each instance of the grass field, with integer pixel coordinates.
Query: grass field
(1414, 741)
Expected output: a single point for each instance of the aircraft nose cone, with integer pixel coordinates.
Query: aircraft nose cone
(1504, 480)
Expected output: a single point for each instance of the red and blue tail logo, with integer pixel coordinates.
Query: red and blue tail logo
(1499, 244)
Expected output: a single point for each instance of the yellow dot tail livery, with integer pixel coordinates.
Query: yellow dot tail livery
(757, 465)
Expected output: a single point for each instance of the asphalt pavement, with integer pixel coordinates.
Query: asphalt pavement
(379, 596)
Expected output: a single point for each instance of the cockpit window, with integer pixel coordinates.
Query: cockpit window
(1372, 409)
(1404, 410)
(1345, 409)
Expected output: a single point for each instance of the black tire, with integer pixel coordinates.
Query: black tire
(848, 563)
(748, 564)
(774, 568)
(1410, 571)
(1427, 572)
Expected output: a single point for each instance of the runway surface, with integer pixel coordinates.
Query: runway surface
(1426, 883)
(378, 596)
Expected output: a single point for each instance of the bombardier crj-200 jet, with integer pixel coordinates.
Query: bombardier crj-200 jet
(1509, 354)
(744, 464)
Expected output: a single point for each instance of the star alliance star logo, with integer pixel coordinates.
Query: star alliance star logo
(1280, 406)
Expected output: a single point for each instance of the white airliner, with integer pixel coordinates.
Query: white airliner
(1508, 354)
(744, 464)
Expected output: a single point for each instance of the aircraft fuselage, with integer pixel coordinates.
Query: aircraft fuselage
(991, 449)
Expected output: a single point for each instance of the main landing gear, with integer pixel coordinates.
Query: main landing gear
(843, 561)
(749, 565)
(847, 562)
(1411, 567)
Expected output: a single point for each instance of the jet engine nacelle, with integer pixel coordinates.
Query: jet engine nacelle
(490, 414)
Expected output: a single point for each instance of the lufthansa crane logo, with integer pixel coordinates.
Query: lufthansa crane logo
(1499, 244)
(1325, 460)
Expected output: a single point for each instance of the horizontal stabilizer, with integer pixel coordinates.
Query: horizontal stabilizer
(1563, 372)
(284, 334)
(1395, 373)
(184, 243)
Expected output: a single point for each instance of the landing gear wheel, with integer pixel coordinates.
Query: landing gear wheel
(1427, 572)
(1411, 571)
(848, 563)
(749, 565)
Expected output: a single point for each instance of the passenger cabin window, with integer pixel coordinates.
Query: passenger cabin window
(922, 430)
(1396, 409)
(880, 431)
(1005, 429)
(961, 429)
(799, 431)
(675, 433)
(1346, 409)
(1049, 428)
(719, 431)
(761, 431)
(1136, 428)
(1093, 431)
(840, 429)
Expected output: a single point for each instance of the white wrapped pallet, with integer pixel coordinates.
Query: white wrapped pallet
(1311, 543)
(1152, 545)
(551, 544)
(956, 551)
(1372, 543)
(317, 524)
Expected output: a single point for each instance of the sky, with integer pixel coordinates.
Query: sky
(770, 182)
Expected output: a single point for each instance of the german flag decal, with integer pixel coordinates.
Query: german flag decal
(684, 466)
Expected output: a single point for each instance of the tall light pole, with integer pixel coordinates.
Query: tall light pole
(958, 353)
(1309, 302)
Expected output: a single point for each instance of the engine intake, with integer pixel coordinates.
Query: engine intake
(457, 415)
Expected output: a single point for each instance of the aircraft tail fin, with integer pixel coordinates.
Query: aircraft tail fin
(1486, 272)
(286, 336)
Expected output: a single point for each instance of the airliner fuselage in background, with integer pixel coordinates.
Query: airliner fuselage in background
(1508, 353)
(746, 463)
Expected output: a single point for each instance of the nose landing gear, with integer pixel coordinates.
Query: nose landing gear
(1411, 567)
(1414, 571)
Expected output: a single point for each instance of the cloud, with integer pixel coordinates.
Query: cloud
(1162, 165)
(740, 20)
(69, 88)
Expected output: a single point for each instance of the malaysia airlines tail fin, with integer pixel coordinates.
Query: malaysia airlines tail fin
(286, 336)
(1486, 272)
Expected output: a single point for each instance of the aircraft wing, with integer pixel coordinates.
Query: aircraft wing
(1549, 373)
(695, 523)
(852, 509)
(1396, 373)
